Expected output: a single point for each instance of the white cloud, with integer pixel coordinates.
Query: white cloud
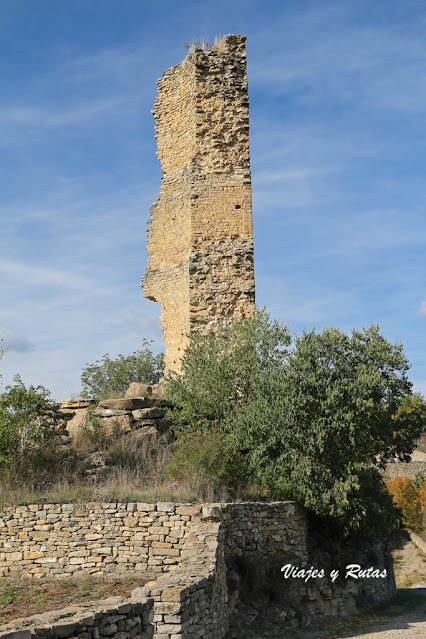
(36, 118)
(15, 342)
(29, 274)
(327, 54)
(422, 309)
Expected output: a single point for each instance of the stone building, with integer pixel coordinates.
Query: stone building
(200, 237)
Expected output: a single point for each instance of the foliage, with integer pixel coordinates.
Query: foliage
(410, 497)
(412, 402)
(190, 46)
(310, 417)
(226, 370)
(27, 429)
(2, 349)
(197, 44)
(206, 460)
(112, 376)
(93, 435)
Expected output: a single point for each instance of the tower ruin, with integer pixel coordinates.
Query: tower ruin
(200, 237)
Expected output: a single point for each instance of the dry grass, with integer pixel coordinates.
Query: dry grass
(121, 485)
(137, 463)
(22, 598)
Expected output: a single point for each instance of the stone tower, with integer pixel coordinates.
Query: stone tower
(200, 237)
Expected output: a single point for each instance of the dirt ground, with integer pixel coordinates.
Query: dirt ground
(23, 598)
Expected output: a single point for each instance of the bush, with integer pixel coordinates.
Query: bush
(309, 417)
(206, 460)
(2, 350)
(411, 499)
(28, 439)
(108, 377)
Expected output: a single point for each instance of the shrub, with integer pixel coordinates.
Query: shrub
(2, 350)
(311, 416)
(28, 439)
(206, 460)
(411, 500)
(108, 377)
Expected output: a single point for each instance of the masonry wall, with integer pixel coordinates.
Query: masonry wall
(195, 548)
(94, 538)
(200, 237)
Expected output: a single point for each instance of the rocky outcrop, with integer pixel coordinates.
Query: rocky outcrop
(143, 406)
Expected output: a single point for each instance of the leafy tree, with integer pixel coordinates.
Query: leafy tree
(109, 377)
(411, 402)
(312, 417)
(2, 349)
(27, 427)
(225, 370)
(411, 499)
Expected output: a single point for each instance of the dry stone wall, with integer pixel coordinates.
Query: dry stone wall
(94, 538)
(408, 469)
(197, 551)
(200, 236)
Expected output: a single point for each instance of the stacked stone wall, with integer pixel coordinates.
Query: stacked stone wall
(409, 469)
(94, 538)
(197, 550)
(200, 236)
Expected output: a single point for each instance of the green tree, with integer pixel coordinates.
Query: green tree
(28, 419)
(2, 349)
(411, 402)
(313, 418)
(109, 377)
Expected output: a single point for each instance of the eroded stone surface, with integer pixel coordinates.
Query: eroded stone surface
(200, 238)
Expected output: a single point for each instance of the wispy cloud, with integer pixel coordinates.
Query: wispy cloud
(15, 342)
(422, 309)
(382, 66)
(32, 275)
(48, 118)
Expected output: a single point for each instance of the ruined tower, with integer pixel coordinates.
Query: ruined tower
(200, 238)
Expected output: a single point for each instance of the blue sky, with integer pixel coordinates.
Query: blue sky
(338, 139)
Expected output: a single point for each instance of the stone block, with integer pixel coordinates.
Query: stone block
(167, 507)
(126, 403)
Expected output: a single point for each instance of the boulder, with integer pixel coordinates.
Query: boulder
(74, 424)
(159, 391)
(138, 390)
(118, 422)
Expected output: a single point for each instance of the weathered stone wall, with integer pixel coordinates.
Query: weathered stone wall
(94, 538)
(408, 469)
(200, 237)
(198, 548)
(197, 597)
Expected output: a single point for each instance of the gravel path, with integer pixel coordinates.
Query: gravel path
(409, 626)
